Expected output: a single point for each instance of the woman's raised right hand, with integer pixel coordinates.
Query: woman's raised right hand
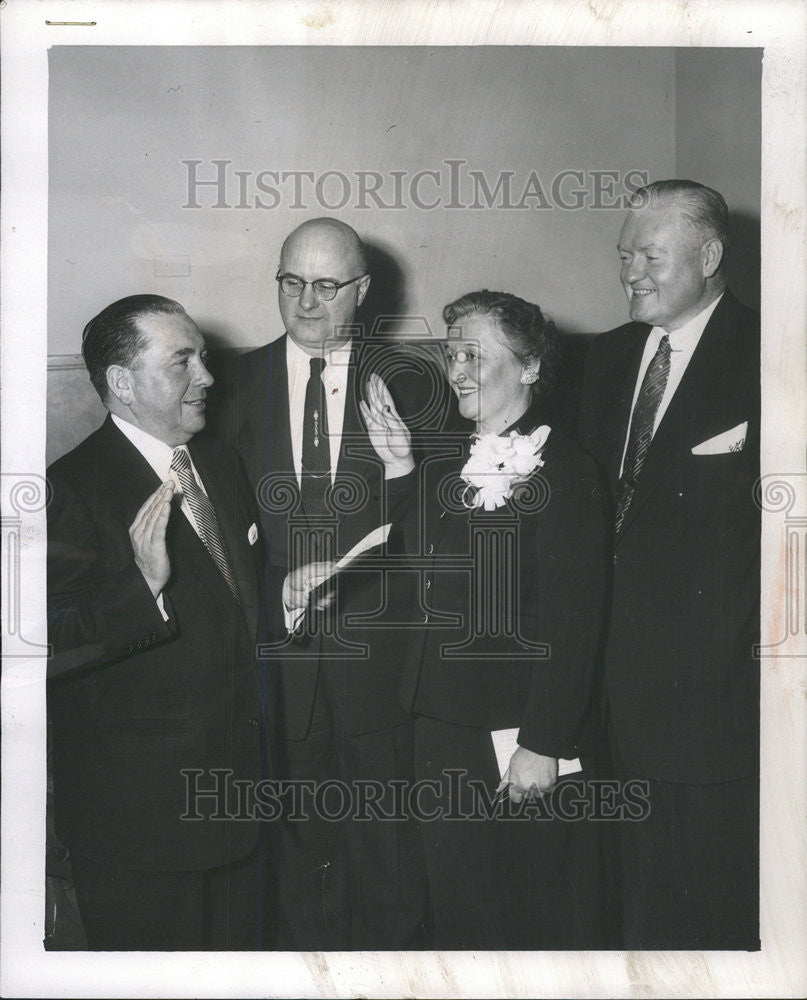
(389, 435)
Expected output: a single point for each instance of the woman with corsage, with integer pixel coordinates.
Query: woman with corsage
(506, 530)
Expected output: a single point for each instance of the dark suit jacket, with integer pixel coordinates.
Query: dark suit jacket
(534, 568)
(681, 680)
(361, 655)
(133, 700)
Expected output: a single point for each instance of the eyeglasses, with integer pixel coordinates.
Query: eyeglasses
(324, 288)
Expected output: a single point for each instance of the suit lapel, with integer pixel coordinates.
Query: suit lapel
(625, 370)
(222, 486)
(127, 474)
(276, 417)
(353, 432)
(264, 441)
(687, 411)
(357, 469)
(131, 477)
(264, 435)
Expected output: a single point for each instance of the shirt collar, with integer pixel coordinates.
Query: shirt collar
(296, 357)
(686, 337)
(157, 453)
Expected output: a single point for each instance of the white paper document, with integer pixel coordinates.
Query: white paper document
(505, 744)
(376, 537)
(293, 616)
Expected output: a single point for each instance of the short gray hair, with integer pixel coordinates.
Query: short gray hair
(702, 208)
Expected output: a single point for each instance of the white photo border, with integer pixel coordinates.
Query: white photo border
(778, 26)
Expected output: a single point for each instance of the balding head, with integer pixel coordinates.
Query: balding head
(335, 234)
(323, 248)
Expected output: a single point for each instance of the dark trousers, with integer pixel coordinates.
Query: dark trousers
(532, 878)
(213, 909)
(690, 866)
(348, 878)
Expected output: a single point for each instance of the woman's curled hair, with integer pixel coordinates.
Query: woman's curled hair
(530, 336)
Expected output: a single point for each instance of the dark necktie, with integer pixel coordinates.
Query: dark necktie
(641, 428)
(204, 515)
(315, 476)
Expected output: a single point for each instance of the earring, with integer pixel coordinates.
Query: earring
(530, 374)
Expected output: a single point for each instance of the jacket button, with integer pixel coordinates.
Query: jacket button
(425, 619)
(428, 584)
(254, 722)
(429, 549)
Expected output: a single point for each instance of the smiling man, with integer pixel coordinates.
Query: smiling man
(153, 583)
(670, 409)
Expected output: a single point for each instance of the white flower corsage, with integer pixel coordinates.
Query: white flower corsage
(497, 464)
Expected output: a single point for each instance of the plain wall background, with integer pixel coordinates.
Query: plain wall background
(123, 120)
(718, 123)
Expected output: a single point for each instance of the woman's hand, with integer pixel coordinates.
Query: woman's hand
(389, 435)
(530, 774)
(300, 582)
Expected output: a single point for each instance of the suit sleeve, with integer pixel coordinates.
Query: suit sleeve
(100, 608)
(570, 558)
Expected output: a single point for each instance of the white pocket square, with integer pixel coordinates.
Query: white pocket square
(252, 534)
(722, 444)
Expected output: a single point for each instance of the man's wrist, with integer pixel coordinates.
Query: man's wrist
(398, 469)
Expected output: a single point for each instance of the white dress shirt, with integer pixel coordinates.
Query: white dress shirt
(683, 342)
(158, 454)
(334, 378)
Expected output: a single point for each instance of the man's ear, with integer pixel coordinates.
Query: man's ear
(119, 380)
(363, 285)
(711, 255)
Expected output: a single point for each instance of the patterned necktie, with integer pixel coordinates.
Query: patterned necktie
(641, 428)
(316, 461)
(204, 515)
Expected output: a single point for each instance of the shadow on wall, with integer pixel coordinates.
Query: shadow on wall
(384, 311)
(744, 258)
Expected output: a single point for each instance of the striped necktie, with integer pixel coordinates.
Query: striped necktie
(641, 428)
(204, 515)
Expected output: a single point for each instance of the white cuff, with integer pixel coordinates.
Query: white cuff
(395, 470)
(292, 617)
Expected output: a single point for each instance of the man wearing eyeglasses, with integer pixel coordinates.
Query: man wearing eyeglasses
(342, 883)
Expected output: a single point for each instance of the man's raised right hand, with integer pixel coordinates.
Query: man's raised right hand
(147, 534)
